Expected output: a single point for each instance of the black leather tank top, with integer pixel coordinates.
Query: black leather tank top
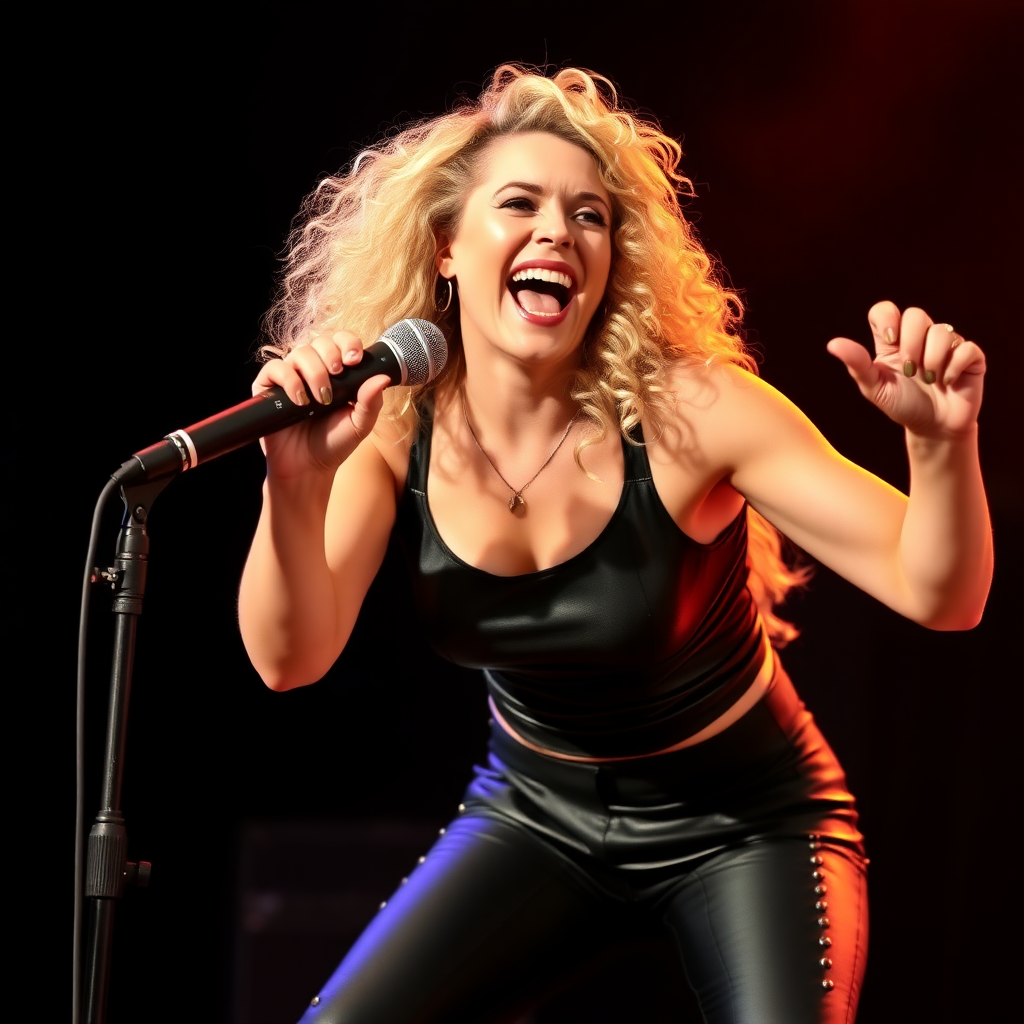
(637, 642)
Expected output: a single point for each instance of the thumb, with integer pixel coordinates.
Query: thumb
(858, 362)
(368, 403)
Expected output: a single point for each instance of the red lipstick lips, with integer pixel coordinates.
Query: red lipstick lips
(542, 290)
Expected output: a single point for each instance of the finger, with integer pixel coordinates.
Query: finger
(368, 403)
(941, 341)
(329, 352)
(914, 326)
(306, 359)
(884, 320)
(858, 362)
(966, 359)
(350, 345)
(277, 372)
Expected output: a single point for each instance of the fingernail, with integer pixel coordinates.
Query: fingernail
(354, 356)
(947, 380)
(326, 396)
(301, 398)
(929, 377)
(337, 366)
(890, 336)
(909, 368)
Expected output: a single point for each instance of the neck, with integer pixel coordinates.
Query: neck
(516, 405)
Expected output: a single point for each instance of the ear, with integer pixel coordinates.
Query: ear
(443, 260)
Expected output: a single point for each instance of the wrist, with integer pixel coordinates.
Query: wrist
(943, 449)
(968, 436)
(309, 489)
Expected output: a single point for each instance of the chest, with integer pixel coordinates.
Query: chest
(633, 598)
(534, 515)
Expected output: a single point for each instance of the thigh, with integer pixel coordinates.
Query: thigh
(484, 921)
(775, 932)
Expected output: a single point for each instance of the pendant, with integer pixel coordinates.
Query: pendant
(516, 505)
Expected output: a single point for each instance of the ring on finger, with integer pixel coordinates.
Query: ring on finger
(956, 339)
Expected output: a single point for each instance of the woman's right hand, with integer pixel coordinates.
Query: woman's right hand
(319, 444)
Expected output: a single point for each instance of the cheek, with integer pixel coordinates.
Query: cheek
(601, 264)
(481, 248)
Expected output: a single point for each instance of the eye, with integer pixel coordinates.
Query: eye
(591, 216)
(522, 203)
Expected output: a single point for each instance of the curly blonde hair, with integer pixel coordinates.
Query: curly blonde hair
(362, 252)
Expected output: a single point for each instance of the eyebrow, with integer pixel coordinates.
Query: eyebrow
(528, 186)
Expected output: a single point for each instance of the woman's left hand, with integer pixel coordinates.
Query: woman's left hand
(924, 375)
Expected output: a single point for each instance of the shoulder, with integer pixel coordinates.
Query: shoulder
(722, 411)
(379, 465)
(391, 442)
(720, 387)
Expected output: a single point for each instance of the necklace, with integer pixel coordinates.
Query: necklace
(516, 503)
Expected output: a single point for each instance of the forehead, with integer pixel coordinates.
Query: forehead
(541, 159)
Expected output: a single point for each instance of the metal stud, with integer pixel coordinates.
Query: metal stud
(404, 880)
(820, 890)
(422, 860)
(823, 922)
(821, 905)
(817, 875)
(462, 808)
(828, 984)
(441, 831)
(817, 859)
(825, 941)
(814, 844)
(825, 962)
(315, 1001)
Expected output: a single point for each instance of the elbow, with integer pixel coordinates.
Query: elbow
(949, 625)
(286, 666)
(281, 674)
(955, 607)
(280, 679)
(954, 620)
(280, 682)
(287, 662)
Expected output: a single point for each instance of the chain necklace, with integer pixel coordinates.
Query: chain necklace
(516, 503)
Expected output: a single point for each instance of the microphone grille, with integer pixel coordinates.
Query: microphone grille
(421, 346)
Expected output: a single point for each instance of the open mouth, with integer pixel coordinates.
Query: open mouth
(541, 292)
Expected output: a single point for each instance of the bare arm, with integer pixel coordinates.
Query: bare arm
(328, 508)
(927, 555)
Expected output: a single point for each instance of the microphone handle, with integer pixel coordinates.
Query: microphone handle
(263, 414)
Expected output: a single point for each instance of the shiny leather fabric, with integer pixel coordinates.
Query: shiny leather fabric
(771, 773)
(637, 642)
(743, 852)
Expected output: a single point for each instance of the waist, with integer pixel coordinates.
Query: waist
(759, 686)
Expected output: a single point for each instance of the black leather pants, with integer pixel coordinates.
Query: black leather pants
(743, 850)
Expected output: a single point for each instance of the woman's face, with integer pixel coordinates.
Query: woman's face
(532, 251)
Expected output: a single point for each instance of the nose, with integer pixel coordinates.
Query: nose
(554, 229)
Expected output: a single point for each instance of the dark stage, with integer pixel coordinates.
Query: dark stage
(841, 153)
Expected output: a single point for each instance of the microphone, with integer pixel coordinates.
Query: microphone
(410, 352)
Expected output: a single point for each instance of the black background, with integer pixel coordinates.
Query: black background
(841, 153)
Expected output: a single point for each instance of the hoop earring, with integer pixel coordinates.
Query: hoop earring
(437, 305)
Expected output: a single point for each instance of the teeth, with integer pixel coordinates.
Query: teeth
(536, 274)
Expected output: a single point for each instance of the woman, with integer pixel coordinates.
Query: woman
(589, 497)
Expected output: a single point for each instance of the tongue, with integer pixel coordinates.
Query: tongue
(537, 302)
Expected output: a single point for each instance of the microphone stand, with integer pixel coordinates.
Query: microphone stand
(108, 870)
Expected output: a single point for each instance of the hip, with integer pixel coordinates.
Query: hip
(769, 773)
